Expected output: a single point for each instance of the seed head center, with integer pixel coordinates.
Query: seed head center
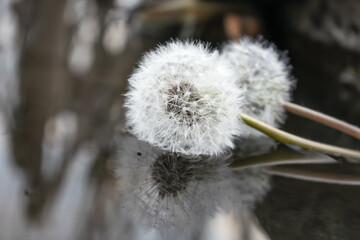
(184, 101)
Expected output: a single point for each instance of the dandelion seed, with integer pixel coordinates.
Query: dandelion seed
(182, 99)
(264, 74)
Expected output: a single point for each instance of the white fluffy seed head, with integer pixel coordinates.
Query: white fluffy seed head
(263, 74)
(182, 99)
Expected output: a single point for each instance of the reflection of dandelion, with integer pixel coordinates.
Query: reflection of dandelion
(183, 99)
(264, 75)
(175, 194)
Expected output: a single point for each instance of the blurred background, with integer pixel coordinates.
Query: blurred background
(63, 71)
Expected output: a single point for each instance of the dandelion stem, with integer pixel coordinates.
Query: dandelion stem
(285, 137)
(323, 119)
(315, 176)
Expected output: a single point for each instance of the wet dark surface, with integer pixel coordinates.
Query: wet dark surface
(60, 144)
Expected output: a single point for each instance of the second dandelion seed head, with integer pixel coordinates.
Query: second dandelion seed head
(263, 73)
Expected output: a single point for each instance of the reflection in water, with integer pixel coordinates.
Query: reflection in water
(157, 195)
(176, 195)
(59, 139)
(11, 200)
(63, 219)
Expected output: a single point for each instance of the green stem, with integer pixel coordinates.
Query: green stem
(285, 137)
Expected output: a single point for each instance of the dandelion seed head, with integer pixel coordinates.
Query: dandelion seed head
(263, 73)
(182, 99)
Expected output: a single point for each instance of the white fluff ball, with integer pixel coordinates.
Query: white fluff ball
(183, 99)
(264, 75)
